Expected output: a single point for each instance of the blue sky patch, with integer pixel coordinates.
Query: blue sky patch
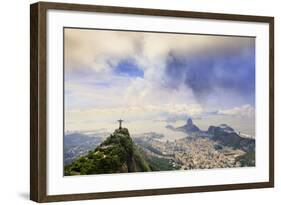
(128, 68)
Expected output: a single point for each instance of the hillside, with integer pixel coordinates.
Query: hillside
(117, 154)
(77, 144)
(228, 137)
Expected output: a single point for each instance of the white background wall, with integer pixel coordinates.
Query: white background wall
(14, 101)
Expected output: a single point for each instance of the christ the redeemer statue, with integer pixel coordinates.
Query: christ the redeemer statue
(120, 123)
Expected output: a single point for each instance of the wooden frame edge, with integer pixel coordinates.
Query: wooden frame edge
(38, 93)
(271, 101)
(153, 12)
(37, 102)
(33, 102)
(155, 192)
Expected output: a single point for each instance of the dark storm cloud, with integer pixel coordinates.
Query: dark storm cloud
(212, 75)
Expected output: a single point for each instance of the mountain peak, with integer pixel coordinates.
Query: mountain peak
(116, 154)
(123, 131)
(226, 128)
(189, 127)
(189, 121)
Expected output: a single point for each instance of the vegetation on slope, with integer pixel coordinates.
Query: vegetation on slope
(116, 154)
(247, 160)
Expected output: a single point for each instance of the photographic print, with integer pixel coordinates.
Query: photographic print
(139, 101)
(129, 102)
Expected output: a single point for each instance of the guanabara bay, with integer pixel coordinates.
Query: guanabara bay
(141, 101)
(218, 147)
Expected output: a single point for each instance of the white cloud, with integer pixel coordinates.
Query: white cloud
(122, 91)
(192, 109)
(243, 111)
(100, 50)
(146, 92)
(96, 49)
(138, 98)
(76, 117)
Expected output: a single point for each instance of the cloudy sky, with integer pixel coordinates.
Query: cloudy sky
(145, 77)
